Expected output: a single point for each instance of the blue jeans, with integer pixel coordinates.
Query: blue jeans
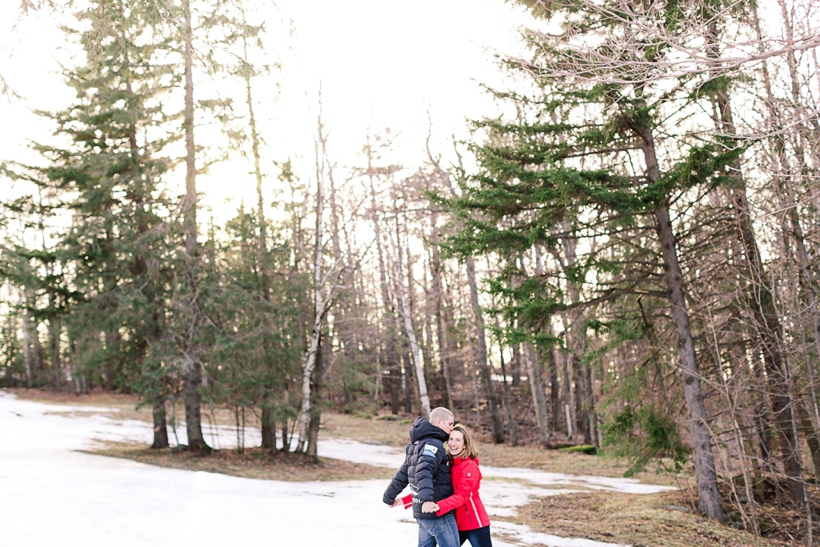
(441, 531)
(480, 537)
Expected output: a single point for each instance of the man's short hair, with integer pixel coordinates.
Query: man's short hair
(439, 414)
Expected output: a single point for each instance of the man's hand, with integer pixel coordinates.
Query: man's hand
(397, 503)
(429, 507)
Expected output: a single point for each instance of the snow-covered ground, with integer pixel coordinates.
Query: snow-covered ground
(51, 493)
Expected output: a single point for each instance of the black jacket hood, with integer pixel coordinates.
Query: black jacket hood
(422, 429)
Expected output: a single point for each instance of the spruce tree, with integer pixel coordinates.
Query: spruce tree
(109, 176)
(591, 158)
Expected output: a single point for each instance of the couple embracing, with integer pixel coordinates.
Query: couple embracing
(443, 483)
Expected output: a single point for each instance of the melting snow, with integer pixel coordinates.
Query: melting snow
(49, 491)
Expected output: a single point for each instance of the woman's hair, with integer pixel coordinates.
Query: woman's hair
(470, 447)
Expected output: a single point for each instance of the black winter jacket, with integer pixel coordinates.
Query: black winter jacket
(426, 468)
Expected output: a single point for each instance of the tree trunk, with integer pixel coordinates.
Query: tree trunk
(481, 350)
(271, 431)
(569, 394)
(316, 410)
(508, 401)
(74, 368)
(26, 328)
(319, 304)
(284, 425)
(555, 395)
(591, 435)
(407, 386)
(160, 426)
(424, 399)
(190, 206)
(810, 433)
(441, 328)
(268, 429)
(515, 366)
(705, 472)
(193, 408)
(539, 398)
(393, 367)
(54, 329)
(192, 372)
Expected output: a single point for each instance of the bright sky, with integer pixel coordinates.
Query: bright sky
(381, 64)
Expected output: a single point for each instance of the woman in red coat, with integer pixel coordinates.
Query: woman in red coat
(471, 518)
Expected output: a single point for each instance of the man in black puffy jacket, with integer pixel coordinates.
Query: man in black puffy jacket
(426, 469)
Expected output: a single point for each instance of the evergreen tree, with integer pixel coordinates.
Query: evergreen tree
(591, 159)
(109, 177)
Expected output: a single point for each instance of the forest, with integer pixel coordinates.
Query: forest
(621, 258)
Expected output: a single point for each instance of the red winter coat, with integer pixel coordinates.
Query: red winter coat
(470, 512)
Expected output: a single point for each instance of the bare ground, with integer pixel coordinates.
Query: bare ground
(254, 463)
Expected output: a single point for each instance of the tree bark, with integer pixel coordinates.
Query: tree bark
(424, 399)
(26, 328)
(316, 414)
(318, 298)
(509, 410)
(555, 394)
(393, 367)
(481, 350)
(192, 372)
(54, 329)
(160, 426)
(193, 407)
(441, 327)
(539, 398)
(705, 472)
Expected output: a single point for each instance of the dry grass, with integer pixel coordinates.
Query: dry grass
(125, 404)
(637, 520)
(385, 430)
(254, 463)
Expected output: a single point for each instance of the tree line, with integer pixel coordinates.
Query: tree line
(624, 257)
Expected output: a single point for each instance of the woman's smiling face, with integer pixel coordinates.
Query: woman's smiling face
(456, 443)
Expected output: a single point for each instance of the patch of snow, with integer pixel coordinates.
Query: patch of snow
(354, 451)
(49, 492)
(544, 478)
(501, 497)
(386, 456)
(102, 501)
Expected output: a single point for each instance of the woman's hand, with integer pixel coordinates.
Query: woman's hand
(429, 507)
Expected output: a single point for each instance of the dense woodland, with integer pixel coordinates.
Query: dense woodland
(625, 257)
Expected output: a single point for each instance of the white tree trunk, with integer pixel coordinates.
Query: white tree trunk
(411, 333)
(310, 363)
(318, 300)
